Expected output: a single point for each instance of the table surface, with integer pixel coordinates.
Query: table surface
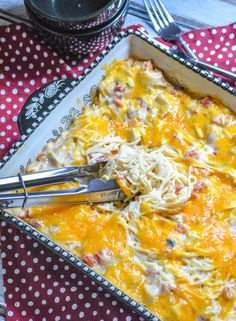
(190, 14)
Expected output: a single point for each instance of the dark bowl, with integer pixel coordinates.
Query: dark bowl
(81, 43)
(74, 15)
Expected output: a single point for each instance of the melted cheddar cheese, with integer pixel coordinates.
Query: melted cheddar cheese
(180, 264)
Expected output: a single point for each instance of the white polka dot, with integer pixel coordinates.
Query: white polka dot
(38, 47)
(80, 68)
(81, 314)
(230, 55)
(224, 30)
(14, 91)
(68, 298)
(128, 318)
(44, 80)
(234, 47)
(31, 66)
(2, 92)
(24, 35)
(74, 306)
(37, 311)
(212, 52)
(73, 289)
(233, 69)
(222, 38)
(81, 296)
(57, 299)
(191, 36)
(201, 55)
(36, 294)
(87, 305)
(10, 313)
(36, 278)
(198, 43)
(68, 317)
(217, 46)
(49, 291)
(214, 31)
(3, 119)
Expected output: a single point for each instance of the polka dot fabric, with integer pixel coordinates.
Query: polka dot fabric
(26, 64)
(40, 286)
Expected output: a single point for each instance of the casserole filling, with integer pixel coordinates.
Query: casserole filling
(172, 244)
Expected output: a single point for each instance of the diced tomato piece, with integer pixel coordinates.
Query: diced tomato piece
(119, 87)
(192, 154)
(90, 260)
(147, 65)
(227, 293)
(206, 102)
(178, 188)
(181, 229)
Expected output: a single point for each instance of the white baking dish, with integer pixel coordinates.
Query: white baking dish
(50, 110)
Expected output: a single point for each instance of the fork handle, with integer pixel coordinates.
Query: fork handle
(186, 48)
(202, 64)
(217, 70)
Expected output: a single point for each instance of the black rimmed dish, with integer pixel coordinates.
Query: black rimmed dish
(43, 120)
(74, 15)
(81, 42)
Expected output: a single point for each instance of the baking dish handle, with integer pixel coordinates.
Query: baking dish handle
(40, 103)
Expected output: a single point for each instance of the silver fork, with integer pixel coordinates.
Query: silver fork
(167, 29)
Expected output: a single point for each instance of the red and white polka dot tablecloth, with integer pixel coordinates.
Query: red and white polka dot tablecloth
(40, 286)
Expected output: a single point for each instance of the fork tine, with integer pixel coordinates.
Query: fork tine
(154, 22)
(168, 16)
(159, 12)
(153, 12)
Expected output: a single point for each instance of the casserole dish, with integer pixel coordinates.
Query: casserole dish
(52, 95)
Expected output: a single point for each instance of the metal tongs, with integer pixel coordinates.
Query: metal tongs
(90, 189)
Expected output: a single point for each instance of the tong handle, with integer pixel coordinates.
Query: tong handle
(53, 176)
(97, 191)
